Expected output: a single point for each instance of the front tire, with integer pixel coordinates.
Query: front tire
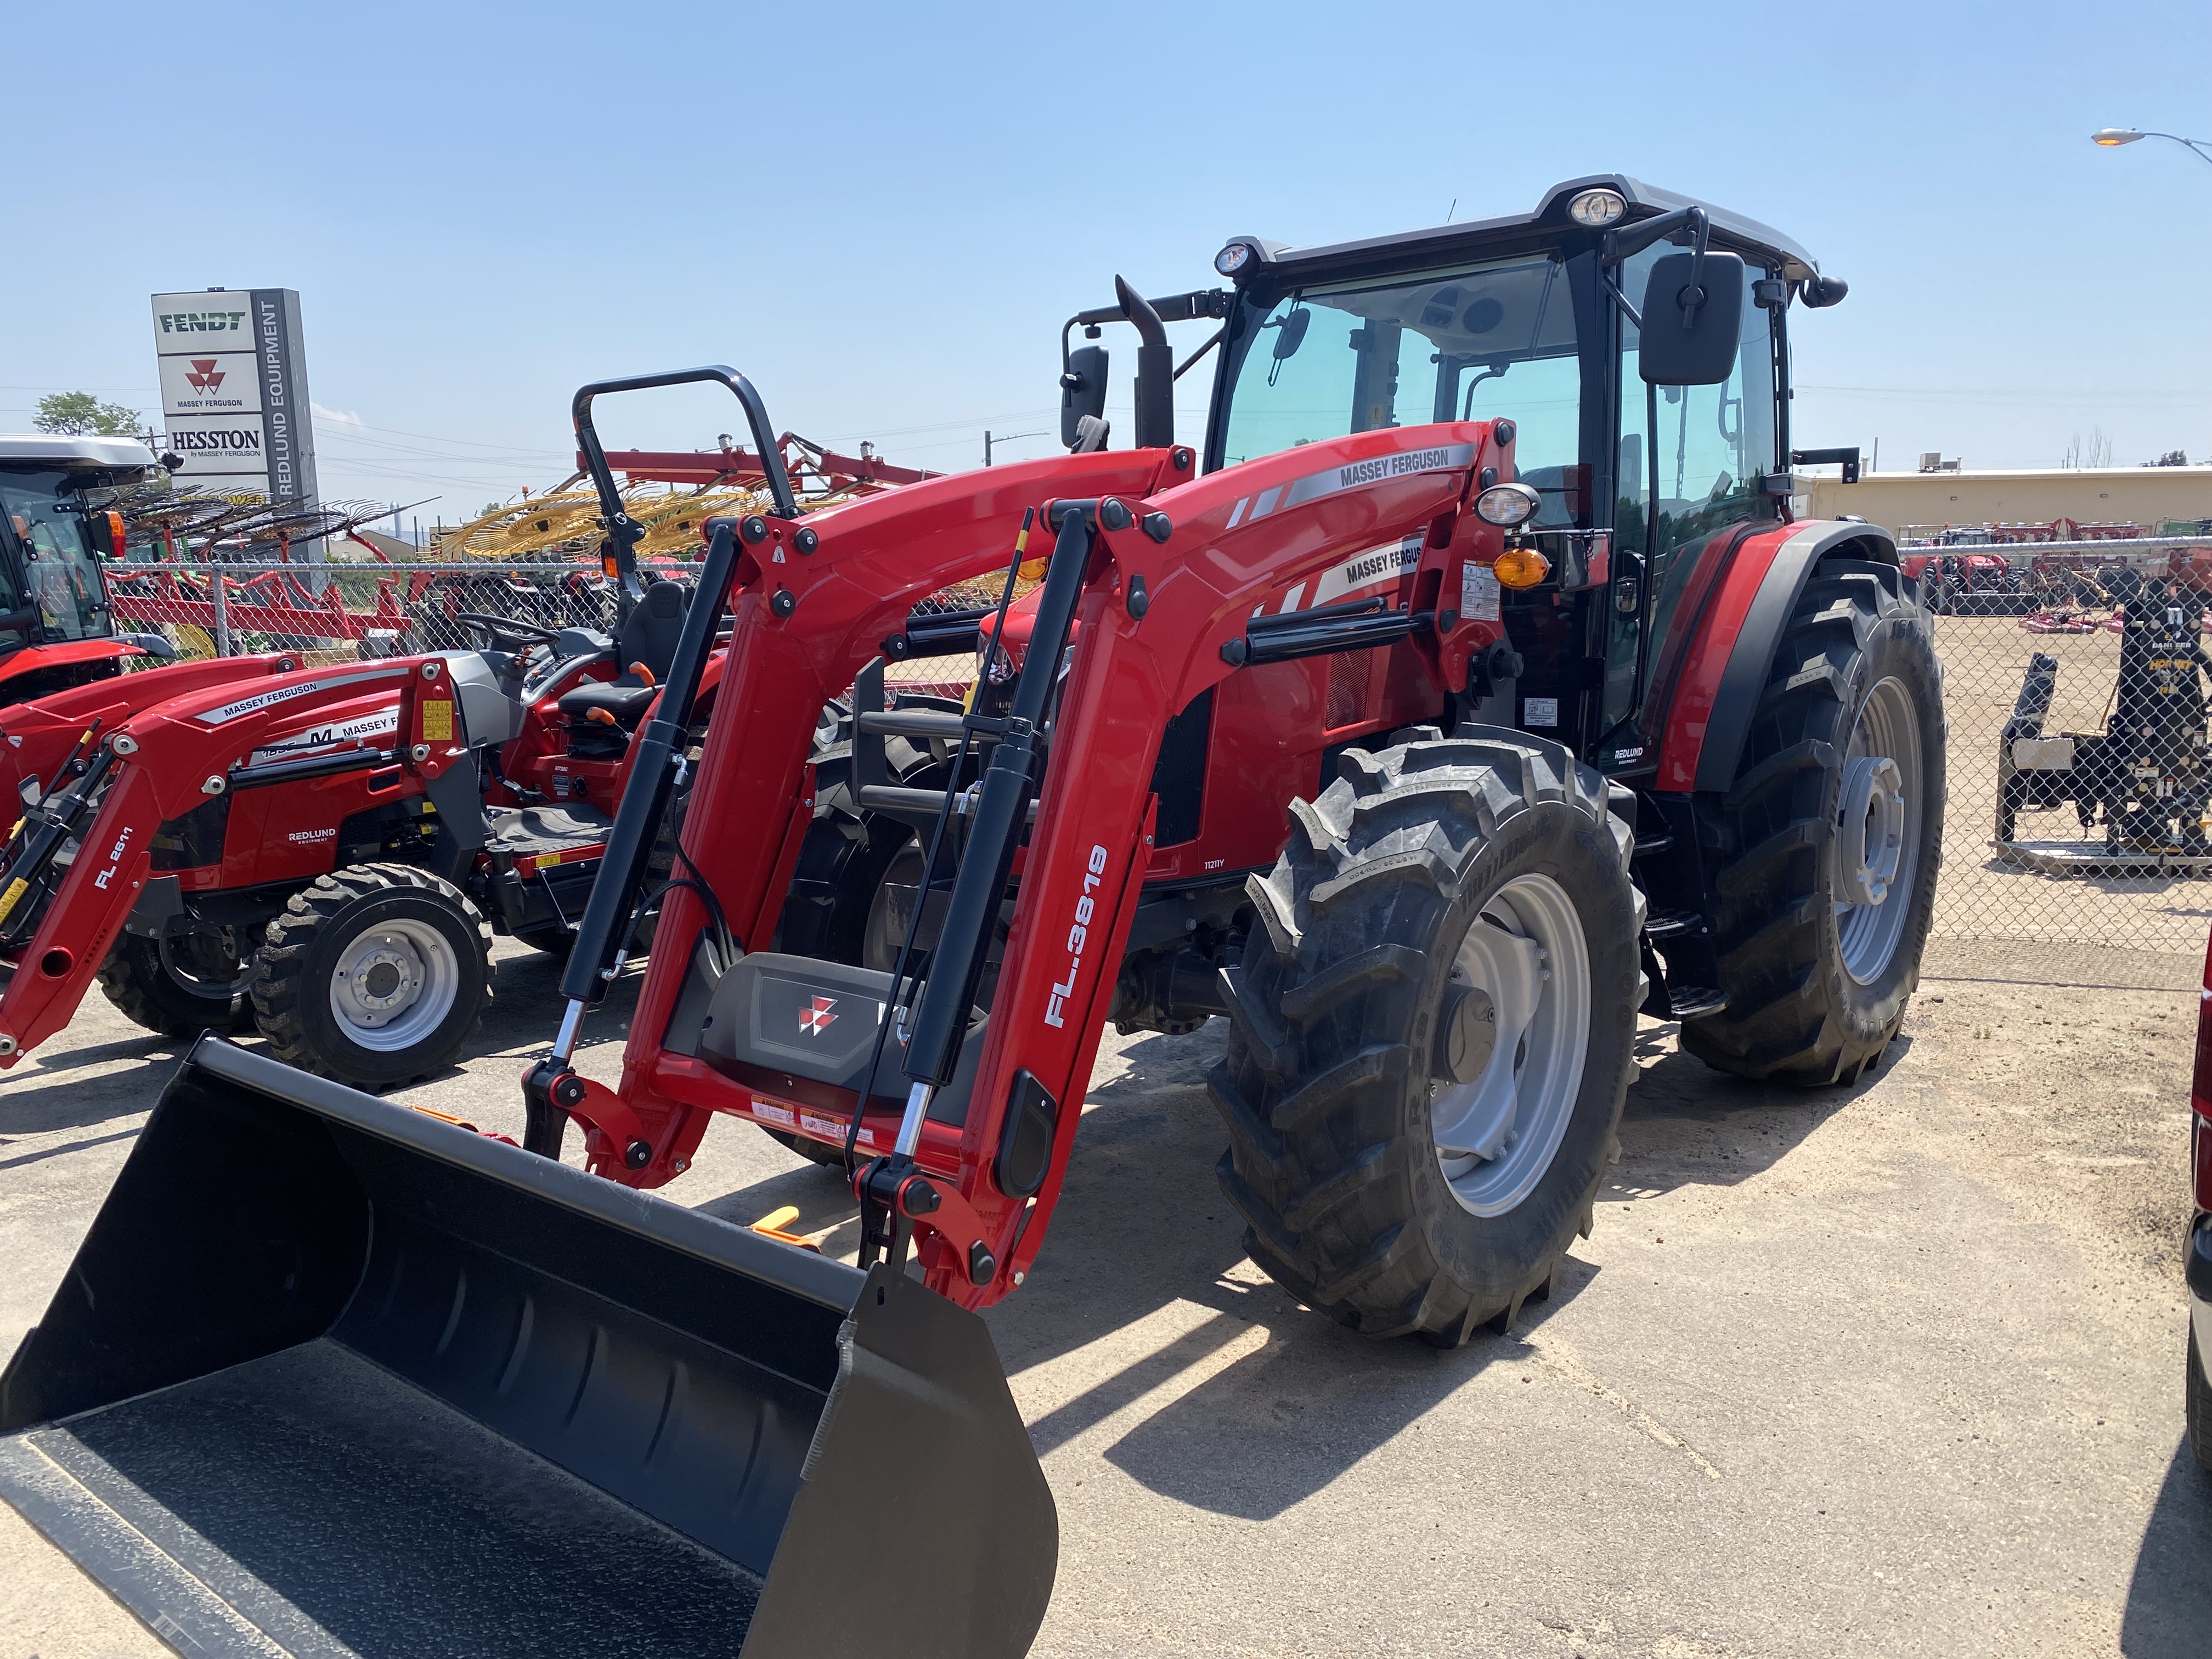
(1826, 848)
(375, 975)
(179, 986)
(1431, 1035)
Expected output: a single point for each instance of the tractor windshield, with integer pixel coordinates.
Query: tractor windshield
(1489, 341)
(52, 564)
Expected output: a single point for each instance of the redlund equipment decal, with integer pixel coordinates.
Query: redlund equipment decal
(1077, 936)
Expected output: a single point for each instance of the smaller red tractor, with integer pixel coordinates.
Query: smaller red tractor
(57, 616)
(322, 852)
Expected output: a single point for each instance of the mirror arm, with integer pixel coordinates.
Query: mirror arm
(1212, 341)
(1626, 243)
(1621, 300)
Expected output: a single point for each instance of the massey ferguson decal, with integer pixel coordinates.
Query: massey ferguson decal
(368, 726)
(260, 699)
(817, 1018)
(1078, 937)
(1314, 485)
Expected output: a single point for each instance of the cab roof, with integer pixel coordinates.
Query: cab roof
(66, 449)
(1414, 249)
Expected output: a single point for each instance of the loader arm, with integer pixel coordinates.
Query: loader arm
(1185, 580)
(157, 765)
(40, 735)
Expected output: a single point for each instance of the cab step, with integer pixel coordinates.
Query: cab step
(1674, 924)
(1651, 845)
(1695, 1001)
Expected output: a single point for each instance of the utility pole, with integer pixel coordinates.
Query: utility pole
(1011, 438)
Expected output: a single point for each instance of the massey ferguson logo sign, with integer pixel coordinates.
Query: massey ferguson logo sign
(817, 1018)
(203, 375)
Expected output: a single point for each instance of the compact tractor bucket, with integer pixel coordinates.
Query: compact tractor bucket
(332, 1376)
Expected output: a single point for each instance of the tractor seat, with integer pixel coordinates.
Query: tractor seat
(626, 699)
(649, 638)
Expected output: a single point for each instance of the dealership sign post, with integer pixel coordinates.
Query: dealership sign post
(234, 392)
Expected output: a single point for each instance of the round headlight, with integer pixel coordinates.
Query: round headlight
(1508, 506)
(1233, 258)
(1521, 566)
(1597, 208)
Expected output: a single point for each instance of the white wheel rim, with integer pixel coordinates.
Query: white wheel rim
(394, 984)
(1496, 1137)
(1877, 831)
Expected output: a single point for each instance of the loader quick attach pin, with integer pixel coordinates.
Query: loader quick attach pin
(124, 744)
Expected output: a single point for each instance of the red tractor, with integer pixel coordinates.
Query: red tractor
(1466, 687)
(322, 853)
(56, 618)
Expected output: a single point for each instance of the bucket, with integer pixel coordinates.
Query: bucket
(329, 1377)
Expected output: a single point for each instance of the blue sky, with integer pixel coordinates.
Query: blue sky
(882, 214)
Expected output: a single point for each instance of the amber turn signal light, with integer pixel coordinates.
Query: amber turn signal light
(1521, 566)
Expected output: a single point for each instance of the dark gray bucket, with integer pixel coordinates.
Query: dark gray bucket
(331, 1377)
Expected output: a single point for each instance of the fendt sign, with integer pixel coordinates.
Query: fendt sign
(234, 390)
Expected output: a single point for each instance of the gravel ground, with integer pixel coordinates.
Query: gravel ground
(1888, 1370)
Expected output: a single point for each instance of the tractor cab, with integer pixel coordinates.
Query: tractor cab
(57, 625)
(1644, 467)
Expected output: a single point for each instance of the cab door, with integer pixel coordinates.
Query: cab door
(1703, 452)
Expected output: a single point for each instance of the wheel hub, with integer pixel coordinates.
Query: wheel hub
(1510, 1047)
(1876, 843)
(1870, 829)
(393, 985)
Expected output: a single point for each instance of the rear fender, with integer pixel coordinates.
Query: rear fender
(1709, 713)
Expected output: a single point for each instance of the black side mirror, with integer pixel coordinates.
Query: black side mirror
(1693, 319)
(1292, 333)
(1082, 392)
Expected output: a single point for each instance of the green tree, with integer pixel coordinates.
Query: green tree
(79, 412)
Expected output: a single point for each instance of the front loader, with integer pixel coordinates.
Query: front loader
(1466, 688)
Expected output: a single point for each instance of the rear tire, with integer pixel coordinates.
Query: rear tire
(375, 975)
(1817, 978)
(168, 985)
(1492, 847)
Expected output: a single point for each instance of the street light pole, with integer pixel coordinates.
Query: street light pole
(2113, 137)
(989, 441)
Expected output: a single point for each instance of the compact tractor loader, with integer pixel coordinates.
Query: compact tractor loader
(1464, 689)
(321, 852)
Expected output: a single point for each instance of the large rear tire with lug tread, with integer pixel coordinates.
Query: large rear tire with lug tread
(1823, 854)
(1432, 1034)
(373, 975)
(179, 985)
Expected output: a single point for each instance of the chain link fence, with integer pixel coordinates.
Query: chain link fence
(332, 613)
(2075, 680)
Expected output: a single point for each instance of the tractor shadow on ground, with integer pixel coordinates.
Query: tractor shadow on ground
(1686, 1124)
(1143, 1288)
(2169, 1607)
(45, 1097)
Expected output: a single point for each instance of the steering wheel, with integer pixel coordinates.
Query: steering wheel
(498, 632)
